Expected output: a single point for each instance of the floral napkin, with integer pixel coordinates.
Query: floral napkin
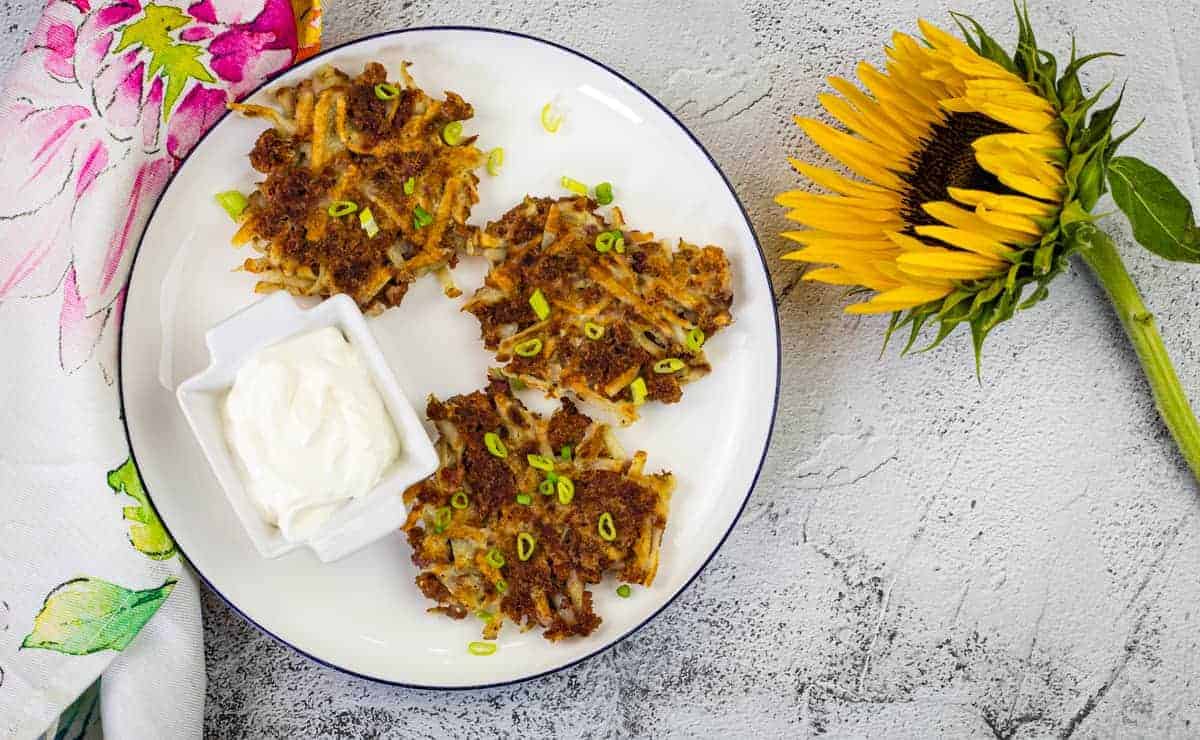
(103, 104)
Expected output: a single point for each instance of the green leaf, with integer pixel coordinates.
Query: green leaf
(146, 534)
(1160, 215)
(88, 615)
(178, 63)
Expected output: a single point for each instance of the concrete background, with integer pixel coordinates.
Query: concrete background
(925, 554)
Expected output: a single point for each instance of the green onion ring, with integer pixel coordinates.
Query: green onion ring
(384, 91)
(452, 133)
(460, 500)
(525, 546)
(593, 331)
(494, 558)
(540, 462)
(340, 208)
(669, 365)
(606, 528)
(495, 445)
(529, 348)
(566, 490)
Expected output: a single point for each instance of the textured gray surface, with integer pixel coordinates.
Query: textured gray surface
(925, 554)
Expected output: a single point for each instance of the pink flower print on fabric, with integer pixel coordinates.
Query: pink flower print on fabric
(86, 146)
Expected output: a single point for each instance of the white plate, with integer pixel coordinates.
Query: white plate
(363, 614)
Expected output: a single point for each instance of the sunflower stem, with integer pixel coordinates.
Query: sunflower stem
(1169, 396)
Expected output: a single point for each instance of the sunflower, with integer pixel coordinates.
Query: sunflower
(968, 163)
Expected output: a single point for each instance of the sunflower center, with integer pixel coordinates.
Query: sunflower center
(946, 160)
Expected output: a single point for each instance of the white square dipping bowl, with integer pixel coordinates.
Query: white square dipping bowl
(231, 343)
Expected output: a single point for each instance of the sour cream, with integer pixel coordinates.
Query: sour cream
(309, 430)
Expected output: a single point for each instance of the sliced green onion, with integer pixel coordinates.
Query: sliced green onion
(233, 202)
(483, 614)
(552, 476)
(441, 519)
(452, 133)
(539, 304)
(565, 453)
(421, 217)
(384, 91)
(410, 186)
(495, 161)
(695, 339)
(460, 500)
(495, 445)
(604, 194)
(551, 119)
(366, 220)
(606, 528)
(566, 490)
(604, 241)
(624, 590)
(574, 185)
(637, 391)
(340, 208)
(515, 384)
(619, 245)
(525, 546)
(481, 648)
(501, 586)
(529, 348)
(669, 365)
(593, 330)
(546, 487)
(494, 558)
(524, 499)
(541, 462)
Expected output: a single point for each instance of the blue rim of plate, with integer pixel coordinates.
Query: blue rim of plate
(774, 401)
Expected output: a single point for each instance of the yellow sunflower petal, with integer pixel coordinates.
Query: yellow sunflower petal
(969, 221)
(1043, 142)
(907, 243)
(868, 127)
(836, 181)
(946, 264)
(967, 240)
(839, 142)
(1011, 222)
(898, 299)
(802, 198)
(1029, 186)
(1008, 203)
(860, 157)
(1031, 122)
(887, 113)
(848, 222)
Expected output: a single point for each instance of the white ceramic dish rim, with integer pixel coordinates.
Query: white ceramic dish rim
(775, 315)
(357, 523)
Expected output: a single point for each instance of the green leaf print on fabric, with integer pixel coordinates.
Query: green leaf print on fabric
(177, 63)
(146, 534)
(87, 615)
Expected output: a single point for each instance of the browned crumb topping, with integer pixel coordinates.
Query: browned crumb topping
(451, 545)
(645, 298)
(334, 139)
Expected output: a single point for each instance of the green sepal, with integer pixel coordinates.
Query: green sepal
(983, 44)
